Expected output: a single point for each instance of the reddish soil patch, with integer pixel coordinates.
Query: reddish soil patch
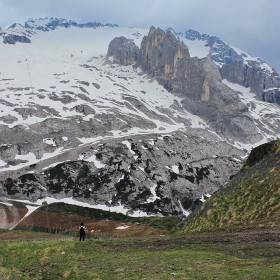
(11, 215)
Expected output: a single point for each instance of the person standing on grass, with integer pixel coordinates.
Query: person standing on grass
(82, 231)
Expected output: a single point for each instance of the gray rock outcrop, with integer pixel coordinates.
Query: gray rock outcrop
(251, 75)
(13, 39)
(123, 51)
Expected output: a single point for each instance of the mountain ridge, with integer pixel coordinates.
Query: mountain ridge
(226, 56)
(152, 143)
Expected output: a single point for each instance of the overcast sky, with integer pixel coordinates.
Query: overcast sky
(251, 25)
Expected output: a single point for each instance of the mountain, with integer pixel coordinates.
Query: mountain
(239, 67)
(143, 122)
(250, 199)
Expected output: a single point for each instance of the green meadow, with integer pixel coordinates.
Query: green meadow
(33, 255)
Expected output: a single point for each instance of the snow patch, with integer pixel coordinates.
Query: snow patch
(153, 191)
(196, 48)
(121, 178)
(69, 200)
(185, 212)
(141, 168)
(122, 227)
(128, 144)
(29, 157)
(175, 169)
(49, 141)
(93, 159)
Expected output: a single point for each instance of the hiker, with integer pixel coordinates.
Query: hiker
(82, 231)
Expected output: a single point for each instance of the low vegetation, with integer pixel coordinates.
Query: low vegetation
(164, 223)
(250, 200)
(41, 256)
(234, 235)
(65, 218)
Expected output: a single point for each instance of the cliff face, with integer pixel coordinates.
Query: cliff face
(198, 82)
(251, 75)
(158, 176)
(240, 67)
(161, 54)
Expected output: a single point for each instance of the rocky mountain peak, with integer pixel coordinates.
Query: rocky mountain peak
(193, 35)
(47, 24)
(198, 82)
(161, 53)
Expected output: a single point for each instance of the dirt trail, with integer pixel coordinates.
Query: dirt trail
(219, 238)
(253, 236)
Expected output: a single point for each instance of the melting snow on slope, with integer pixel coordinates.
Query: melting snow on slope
(185, 212)
(121, 178)
(93, 159)
(257, 109)
(62, 58)
(153, 191)
(49, 141)
(128, 144)
(196, 47)
(69, 200)
(122, 227)
(30, 157)
(175, 169)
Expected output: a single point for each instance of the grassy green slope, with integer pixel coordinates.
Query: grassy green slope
(45, 215)
(250, 199)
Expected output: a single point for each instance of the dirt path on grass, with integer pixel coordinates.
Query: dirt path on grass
(271, 236)
(219, 238)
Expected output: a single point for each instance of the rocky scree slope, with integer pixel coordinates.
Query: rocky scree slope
(157, 137)
(163, 175)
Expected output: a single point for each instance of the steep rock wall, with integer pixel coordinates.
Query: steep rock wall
(198, 82)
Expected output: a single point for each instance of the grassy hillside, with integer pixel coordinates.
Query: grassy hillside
(165, 223)
(250, 199)
(64, 216)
